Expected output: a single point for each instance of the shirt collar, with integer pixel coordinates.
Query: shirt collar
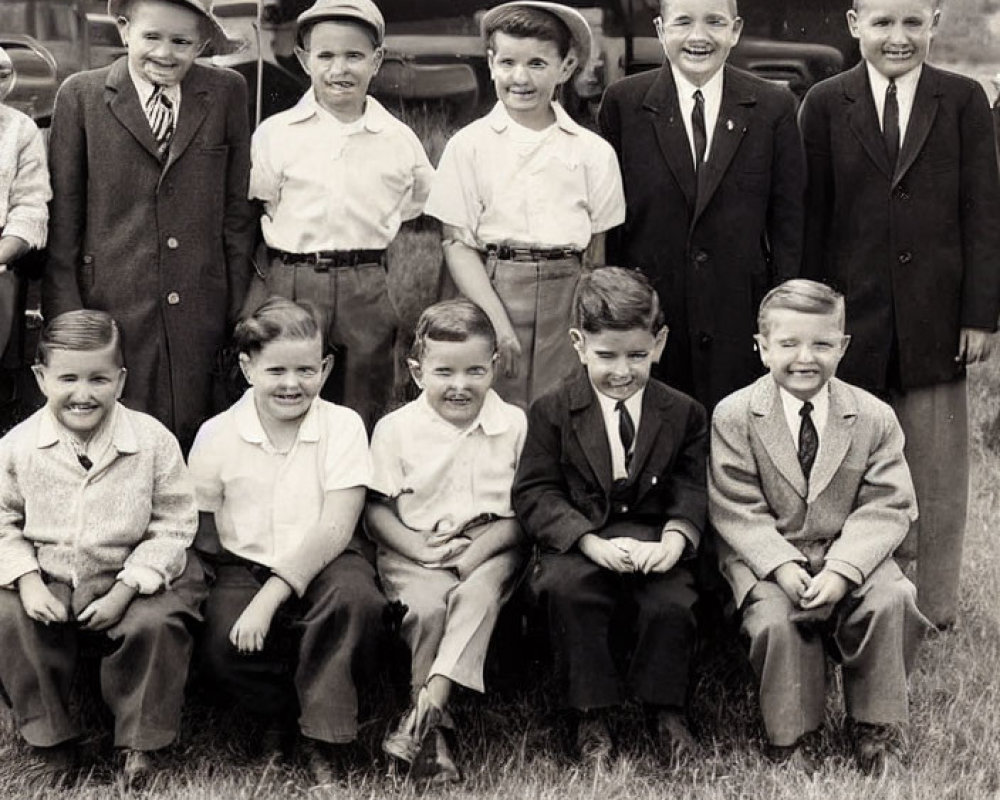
(633, 404)
(374, 117)
(250, 429)
(123, 438)
(491, 418)
(499, 120)
(144, 88)
(792, 405)
(710, 91)
(907, 82)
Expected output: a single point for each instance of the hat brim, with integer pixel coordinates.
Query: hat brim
(581, 38)
(219, 42)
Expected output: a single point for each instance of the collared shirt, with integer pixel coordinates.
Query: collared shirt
(792, 406)
(267, 504)
(442, 477)
(130, 517)
(611, 422)
(497, 185)
(712, 92)
(145, 90)
(906, 90)
(327, 185)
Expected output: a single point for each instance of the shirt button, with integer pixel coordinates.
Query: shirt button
(172, 243)
(173, 298)
(905, 257)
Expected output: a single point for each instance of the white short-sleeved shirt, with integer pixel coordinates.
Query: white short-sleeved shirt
(327, 185)
(500, 183)
(267, 503)
(442, 477)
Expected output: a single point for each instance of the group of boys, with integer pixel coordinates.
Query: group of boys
(705, 188)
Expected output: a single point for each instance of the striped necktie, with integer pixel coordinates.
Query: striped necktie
(160, 112)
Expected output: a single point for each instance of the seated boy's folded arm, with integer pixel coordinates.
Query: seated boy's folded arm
(499, 536)
(387, 529)
(688, 508)
(17, 554)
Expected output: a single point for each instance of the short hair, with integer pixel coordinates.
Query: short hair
(618, 299)
(455, 320)
(278, 318)
(804, 296)
(525, 22)
(856, 4)
(305, 31)
(79, 331)
(733, 7)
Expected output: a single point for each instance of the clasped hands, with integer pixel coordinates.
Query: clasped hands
(624, 554)
(41, 605)
(809, 592)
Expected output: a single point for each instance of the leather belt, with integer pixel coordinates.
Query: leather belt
(325, 260)
(505, 252)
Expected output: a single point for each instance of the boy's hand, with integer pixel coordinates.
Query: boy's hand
(435, 555)
(827, 588)
(108, 609)
(658, 557)
(250, 629)
(793, 580)
(38, 601)
(606, 553)
(974, 345)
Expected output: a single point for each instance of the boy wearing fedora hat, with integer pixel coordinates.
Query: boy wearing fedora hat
(524, 191)
(330, 246)
(150, 162)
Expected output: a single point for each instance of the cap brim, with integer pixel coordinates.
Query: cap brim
(579, 30)
(219, 43)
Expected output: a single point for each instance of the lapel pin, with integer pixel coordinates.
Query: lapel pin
(729, 124)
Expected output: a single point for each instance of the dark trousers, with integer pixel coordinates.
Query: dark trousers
(587, 606)
(142, 674)
(317, 646)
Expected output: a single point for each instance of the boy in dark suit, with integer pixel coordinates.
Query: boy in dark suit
(902, 206)
(150, 162)
(714, 175)
(611, 485)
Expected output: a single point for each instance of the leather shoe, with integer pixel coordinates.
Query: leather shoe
(138, 768)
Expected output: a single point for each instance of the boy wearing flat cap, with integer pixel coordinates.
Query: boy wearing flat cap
(150, 160)
(523, 192)
(336, 176)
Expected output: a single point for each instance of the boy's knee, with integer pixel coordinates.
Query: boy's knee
(889, 598)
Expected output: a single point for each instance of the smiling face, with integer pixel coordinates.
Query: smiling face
(697, 36)
(894, 35)
(286, 374)
(341, 59)
(163, 40)
(526, 73)
(455, 377)
(802, 350)
(81, 386)
(619, 362)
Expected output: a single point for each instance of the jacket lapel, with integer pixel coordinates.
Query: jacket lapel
(648, 433)
(836, 438)
(123, 102)
(925, 106)
(738, 102)
(863, 118)
(588, 426)
(661, 102)
(194, 109)
(768, 419)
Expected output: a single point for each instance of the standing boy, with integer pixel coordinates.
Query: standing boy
(150, 159)
(523, 192)
(337, 175)
(714, 174)
(611, 486)
(810, 495)
(902, 209)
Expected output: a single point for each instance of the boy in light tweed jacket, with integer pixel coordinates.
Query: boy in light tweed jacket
(96, 515)
(810, 495)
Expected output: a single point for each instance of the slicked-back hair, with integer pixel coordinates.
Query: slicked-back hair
(856, 4)
(531, 23)
(79, 331)
(617, 299)
(278, 318)
(804, 296)
(455, 320)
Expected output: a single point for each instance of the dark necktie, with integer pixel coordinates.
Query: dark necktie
(160, 112)
(626, 430)
(890, 123)
(808, 439)
(698, 130)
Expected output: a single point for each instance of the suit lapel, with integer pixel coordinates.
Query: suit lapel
(925, 106)
(768, 419)
(194, 108)
(836, 438)
(863, 118)
(738, 101)
(648, 433)
(123, 102)
(588, 426)
(661, 101)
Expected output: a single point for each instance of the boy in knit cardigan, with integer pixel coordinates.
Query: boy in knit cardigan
(96, 515)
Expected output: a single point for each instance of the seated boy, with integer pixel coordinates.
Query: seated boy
(336, 176)
(810, 495)
(96, 515)
(611, 486)
(523, 192)
(280, 482)
(448, 541)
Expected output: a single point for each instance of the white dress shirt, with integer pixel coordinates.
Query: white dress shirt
(906, 90)
(821, 410)
(712, 92)
(611, 417)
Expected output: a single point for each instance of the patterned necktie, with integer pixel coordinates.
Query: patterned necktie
(890, 123)
(808, 439)
(160, 112)
(698, 130)
(626, 430)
